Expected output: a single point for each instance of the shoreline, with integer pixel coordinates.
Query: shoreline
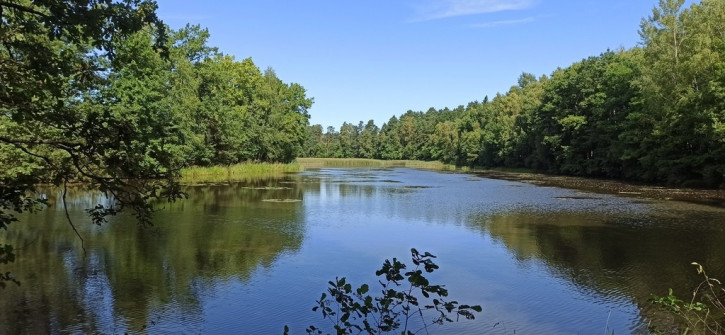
(714, 198)
(245, 171)
(709, 197)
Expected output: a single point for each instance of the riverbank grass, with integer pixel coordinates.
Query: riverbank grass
(237, 172)
(371, 163)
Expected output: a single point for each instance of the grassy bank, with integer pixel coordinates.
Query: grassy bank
(247, 171)
(238, 172)
(363, 163)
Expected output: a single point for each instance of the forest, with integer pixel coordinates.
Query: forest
(654, 113)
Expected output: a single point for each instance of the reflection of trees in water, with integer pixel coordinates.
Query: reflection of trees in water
(132, 276)
(78, 197)
(384, 196)
(619, 258)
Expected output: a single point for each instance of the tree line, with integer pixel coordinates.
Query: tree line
(229, 111)
(102, 91)
(653, 113)
(222, 111)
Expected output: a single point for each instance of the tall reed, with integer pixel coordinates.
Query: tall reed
(237, 172)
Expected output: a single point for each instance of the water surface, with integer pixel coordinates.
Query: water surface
(252, 257)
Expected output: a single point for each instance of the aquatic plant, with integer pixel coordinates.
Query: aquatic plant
(237, 172)
(704, 313)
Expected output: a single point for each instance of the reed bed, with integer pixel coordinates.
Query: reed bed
(371, 163)
(249, 171)
(237, 172)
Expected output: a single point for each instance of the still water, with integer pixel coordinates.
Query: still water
(251, 257)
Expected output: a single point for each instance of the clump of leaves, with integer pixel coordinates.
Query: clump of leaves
(404, 295)
(704, 313)
(7, 256)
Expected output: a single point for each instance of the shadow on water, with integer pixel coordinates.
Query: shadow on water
(620, 258)
(610, 251)
(133, 278)
(539, 259)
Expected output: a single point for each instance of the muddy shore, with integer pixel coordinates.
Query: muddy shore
(705, 197)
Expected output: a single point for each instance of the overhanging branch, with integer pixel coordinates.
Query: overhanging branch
(21, 8)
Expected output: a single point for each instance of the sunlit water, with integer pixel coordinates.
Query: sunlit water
(250, 258)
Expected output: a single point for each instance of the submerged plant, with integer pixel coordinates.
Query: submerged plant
(408, 303)
(704, 313)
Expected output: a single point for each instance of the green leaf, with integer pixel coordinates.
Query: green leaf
(363, 289)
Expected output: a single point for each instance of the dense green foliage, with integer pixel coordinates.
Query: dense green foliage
(230, 111)
(101, 91)
(80, 99)
(654, 113)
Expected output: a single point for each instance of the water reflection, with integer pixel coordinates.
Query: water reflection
(618, 258)
(136, 278)
(251, 257)
(612, 252)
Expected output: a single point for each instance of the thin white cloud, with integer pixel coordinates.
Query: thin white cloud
(439, 9)
(501, 23)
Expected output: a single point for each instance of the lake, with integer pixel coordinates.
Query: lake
(252, 257)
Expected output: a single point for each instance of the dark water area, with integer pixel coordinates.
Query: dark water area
(250, 258)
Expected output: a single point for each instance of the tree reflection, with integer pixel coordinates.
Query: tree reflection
(616, 257)
(133, 277)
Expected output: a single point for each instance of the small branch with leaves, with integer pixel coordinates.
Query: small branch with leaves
(704, 313)
(408, 303)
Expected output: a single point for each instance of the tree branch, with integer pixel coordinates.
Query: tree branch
(30, 153)
(67, 216)
(22, 8)
(59, 144)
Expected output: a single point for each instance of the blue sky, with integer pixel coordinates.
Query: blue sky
(373, 59)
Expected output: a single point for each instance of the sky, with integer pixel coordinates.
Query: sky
(372, 59)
